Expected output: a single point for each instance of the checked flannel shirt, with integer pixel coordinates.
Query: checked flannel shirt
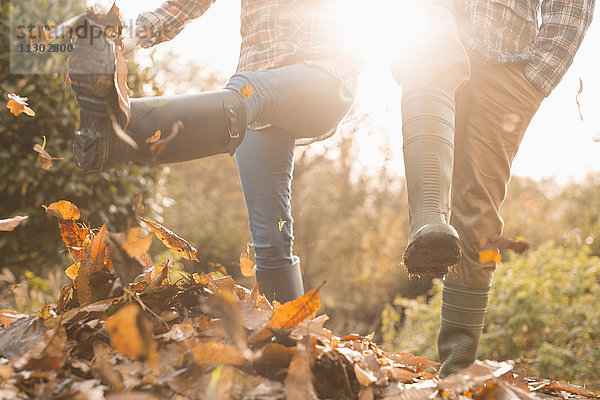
(274, 33)
(545, 34)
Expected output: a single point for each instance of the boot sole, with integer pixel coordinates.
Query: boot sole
(432, 254)
(91, 71)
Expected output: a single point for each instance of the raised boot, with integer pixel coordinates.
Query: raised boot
(428, 137)
(283, 284)
(212, 122)
(462, 320)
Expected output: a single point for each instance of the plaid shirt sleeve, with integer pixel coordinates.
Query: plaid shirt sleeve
(563, 27)
(169, 19)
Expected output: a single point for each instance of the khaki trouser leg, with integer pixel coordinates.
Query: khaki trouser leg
(493, 112)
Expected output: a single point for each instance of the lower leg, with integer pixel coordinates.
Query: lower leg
(265, 164)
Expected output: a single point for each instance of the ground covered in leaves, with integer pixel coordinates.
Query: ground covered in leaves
(125, 329)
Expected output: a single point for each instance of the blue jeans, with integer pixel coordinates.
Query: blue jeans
(296, 101)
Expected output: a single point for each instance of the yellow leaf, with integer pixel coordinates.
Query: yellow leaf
(73, 271)
(247, 91)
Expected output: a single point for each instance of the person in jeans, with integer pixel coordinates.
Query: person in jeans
(469, 93)
(293, 81)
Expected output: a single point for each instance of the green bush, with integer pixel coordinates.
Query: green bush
(25, 187)
(543, 307)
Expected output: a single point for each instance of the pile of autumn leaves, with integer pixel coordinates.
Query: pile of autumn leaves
(123, 329)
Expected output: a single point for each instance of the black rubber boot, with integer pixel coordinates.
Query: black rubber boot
(463, 317)
(428, 135)
(213, 122)
(282, 285)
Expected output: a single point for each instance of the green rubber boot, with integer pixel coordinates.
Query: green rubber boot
(463, 317)
(428, 134)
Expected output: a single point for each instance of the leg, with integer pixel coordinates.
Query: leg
(494, 110)
(265, 163)
(302, 100)
(428, 116)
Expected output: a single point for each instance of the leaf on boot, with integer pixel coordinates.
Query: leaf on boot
(247, 91)
(17, 105)
(160, 145)
(154, 138)
(298, 384)
(292, 313)
(172, 241)
(8, 225)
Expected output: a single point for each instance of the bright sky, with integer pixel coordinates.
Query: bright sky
(556, 144)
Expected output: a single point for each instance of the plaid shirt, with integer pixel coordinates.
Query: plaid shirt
(505, 31)
(274, 33)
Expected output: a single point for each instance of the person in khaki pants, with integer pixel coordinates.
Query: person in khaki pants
(469, 92)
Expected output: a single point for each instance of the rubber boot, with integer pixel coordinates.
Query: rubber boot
(462, 321)
(282, 285)
(212, 122)
(428, 135)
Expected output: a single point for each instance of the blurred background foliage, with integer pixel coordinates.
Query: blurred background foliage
(350, 226)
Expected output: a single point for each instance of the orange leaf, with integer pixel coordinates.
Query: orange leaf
(567, 387)
(489, 255)
(130, 334)
(18, 105)
(94, 260)
(292, 313)
(137, 242)
(7, 225)
(64, 210)
(159, 146)
(8, 317)
(416, 363)
(172, 241)
(247, 91)
(155, 138)
(246, 265)
(217, 353)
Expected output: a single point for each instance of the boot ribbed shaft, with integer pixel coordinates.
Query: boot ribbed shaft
(462, 321)
(428, 134)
